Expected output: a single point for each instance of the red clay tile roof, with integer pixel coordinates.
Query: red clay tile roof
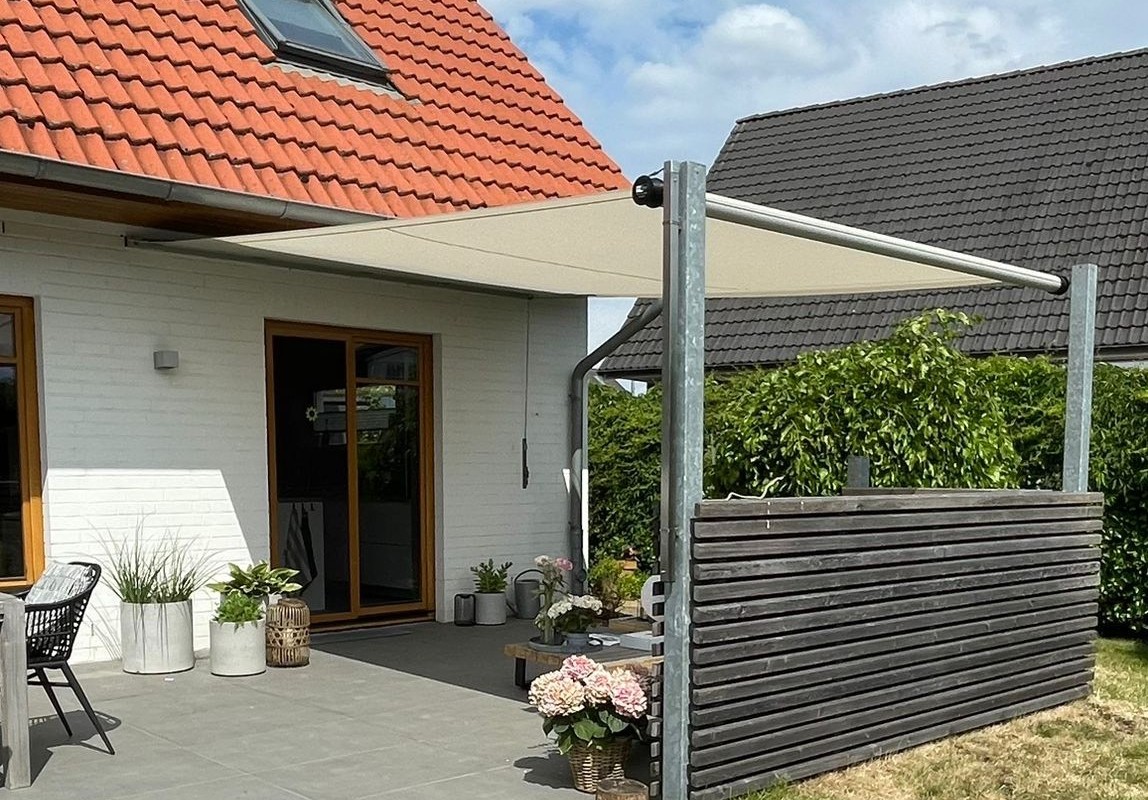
(186, 90)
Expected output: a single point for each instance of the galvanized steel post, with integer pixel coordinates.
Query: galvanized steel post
(1078, 400)
(683, 374)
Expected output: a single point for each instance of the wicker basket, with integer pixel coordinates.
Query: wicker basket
(589, 764)
(288, 634)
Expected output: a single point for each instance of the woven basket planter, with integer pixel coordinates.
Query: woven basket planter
(288, 634)
(590, 765)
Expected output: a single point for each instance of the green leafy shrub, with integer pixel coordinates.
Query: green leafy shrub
(239, 608)
(925, 414)
(611, 583)
(1033, 391)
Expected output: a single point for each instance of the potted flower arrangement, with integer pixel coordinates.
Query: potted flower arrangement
(261, 581)
(238, 636)
(490, 592)
(155, 582)
(593, 714)
(573, 615)
(550, 588)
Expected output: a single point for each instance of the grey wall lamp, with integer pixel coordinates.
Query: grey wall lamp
(165, 360)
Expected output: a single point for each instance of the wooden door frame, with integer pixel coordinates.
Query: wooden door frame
(423, 344)
(28, 411)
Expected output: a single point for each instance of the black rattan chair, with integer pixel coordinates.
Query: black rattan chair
(51, 634)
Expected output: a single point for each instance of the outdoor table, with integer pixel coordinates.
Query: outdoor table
(610, 657)
(14, 693)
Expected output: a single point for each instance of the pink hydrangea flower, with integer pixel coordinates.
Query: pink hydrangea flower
(627, 695)
(557, 695)
(579, 667)
(599, 687)
(564, 564)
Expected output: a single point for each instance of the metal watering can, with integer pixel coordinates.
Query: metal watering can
(526, 603)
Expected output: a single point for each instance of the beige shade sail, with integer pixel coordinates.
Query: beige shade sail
(606, 246)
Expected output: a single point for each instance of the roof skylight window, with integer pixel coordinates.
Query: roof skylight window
(311, 32)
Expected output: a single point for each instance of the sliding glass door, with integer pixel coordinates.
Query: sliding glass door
(351, 485)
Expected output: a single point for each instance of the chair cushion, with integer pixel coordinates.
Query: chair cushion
(59, 582)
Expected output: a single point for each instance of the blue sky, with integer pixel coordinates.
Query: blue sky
(659, 79)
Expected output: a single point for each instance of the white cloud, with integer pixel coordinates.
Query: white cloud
(658, 79)
(667, 78)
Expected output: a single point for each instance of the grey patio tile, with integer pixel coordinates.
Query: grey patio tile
(507, 783)
(364, 774)
(245, 787)
(212, 714)
(141, 764)
(301, 743)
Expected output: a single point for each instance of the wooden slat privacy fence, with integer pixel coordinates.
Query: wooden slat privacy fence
(827, 631)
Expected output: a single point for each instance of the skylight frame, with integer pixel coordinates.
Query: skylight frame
(369, 67)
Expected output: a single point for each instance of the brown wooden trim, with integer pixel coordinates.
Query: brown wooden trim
(353, 337)
(56, 198)
(354, 540)
(28, 410)
(272, 454)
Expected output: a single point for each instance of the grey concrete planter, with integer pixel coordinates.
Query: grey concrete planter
(238, 650)
(157, 637)
(490, 608)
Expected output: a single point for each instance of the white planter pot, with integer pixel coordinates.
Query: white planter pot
(490, 608)
(238, 649)
(157, 637)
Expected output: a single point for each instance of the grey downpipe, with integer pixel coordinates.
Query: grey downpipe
(578, 439)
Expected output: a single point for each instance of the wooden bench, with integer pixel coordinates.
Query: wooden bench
(609, 657)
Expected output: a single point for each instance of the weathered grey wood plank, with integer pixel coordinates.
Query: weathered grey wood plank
(789, 709)
(905, 649)
(1055, 676)
(812, 582)
(713, 654)
(14, 694)
(732, 702)
(773, 759)
(905, 609)
(862, 504)
(736, 570)
(816, 766)
(807, 526)
(751, 609)
(834, 541)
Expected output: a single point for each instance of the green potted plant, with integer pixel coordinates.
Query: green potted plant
(260, 580)
(155, 581)
(573, 615)
(238, 636)
(490, 592)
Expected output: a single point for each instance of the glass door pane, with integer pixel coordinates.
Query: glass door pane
(11, 497)
(310, 379)
(390, 524)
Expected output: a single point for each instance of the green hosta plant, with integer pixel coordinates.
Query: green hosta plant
(239, 609)
(258, 580)
(490, 579)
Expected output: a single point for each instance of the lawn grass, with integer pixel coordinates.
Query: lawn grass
(1096, 749)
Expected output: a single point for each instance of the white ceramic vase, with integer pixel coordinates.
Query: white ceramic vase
(157, 637)
(238, 650)
(490, 608)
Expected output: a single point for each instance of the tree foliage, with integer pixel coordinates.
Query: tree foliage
(924, 413)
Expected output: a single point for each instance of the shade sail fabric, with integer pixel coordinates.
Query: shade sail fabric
(599, 245)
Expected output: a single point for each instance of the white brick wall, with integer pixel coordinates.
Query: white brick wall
(187, 450)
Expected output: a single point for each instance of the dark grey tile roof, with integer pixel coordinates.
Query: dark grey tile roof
(1042, 168)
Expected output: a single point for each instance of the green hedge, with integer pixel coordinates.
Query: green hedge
(924, 413)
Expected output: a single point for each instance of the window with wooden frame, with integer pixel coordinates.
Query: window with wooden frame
(21, 534)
